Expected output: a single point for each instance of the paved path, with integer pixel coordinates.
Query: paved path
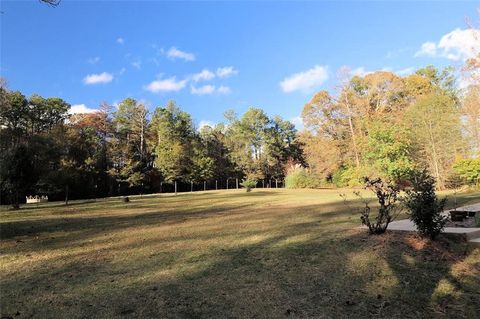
(472, 234)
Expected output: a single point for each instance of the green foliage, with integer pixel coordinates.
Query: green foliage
(388, 151)
(249, 184)
(469, 170)
(174, 136)
(435, 133)
(260, 145)
(349, 176)
(298, 177)
(17, 174)
(424, 206)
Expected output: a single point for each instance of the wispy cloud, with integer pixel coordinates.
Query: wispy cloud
(226, 71)
(427, 49)
(205, 75)
(174, 53)
(166, 85)
(80, 108)
(456, 45)
(210, 89)
(202, 90)
(224, 90)
(100, 78)
(94, 60)
(120, 41)
(405, 71)
(305, 81)
(362, 71)
(137, 64)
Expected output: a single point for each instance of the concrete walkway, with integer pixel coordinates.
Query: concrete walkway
(472, 234)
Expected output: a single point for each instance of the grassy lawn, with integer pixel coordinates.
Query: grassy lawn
(224, 254)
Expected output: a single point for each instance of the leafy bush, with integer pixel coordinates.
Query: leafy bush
(469, 170)
(388, 150)
(349, 176)
(387, 195)
(424, 206)
(299, 177)
(249, 184)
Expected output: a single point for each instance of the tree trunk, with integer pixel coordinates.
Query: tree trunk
(66, 194)
(352, 132)
(15, 202)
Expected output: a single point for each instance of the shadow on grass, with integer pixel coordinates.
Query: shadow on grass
(316, 266)
(329, 275)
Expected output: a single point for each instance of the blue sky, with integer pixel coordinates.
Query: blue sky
(214, 56)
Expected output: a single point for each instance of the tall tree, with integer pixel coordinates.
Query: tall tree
(436, 131)
(173, 135)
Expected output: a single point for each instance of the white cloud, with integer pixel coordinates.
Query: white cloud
(405, 71)
(456, 45)
(120, 41)
(224, 90)
(166, 85)
(137, 64)
(226, 71)
(203, 90)
(174, 53)
(427, 49)
(122, 70)
(298, 122)
(103, 77)
(205, 123)
(360, 71)
(204, 75)
(80, 108)
(94, 60)
(210, 89)
(305, 81)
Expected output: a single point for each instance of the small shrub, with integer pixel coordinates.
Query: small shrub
(387, 195)
(249, 184)
(424, 206)
(349, 176)
(299, 177)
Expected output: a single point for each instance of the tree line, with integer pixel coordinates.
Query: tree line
(127, 150)
(379, 124)
(386, 125)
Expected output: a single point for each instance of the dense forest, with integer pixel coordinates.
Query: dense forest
(377, 124)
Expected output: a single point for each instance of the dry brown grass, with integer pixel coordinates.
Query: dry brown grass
(267, 254)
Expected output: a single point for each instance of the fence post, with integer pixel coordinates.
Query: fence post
(175, 187)
(204, 185)
(276, 183)
(216, 184)
(227, 183)
(237, 182)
